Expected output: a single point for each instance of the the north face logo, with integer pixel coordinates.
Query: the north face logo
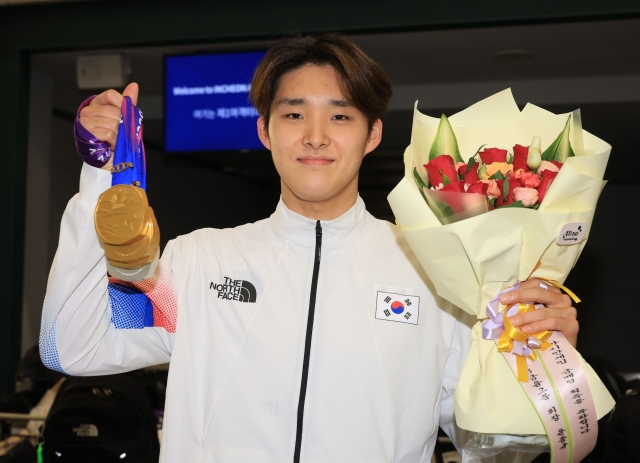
(86, 430)
(235, 290)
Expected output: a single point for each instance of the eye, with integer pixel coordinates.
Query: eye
(340, 117)
(293, 116)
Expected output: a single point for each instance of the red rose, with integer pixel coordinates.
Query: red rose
(458, 186)
(499, 200)
(471, 177)
(557, 164)
(489, 155)
(513, 184)
(462, 168)
(547, 180)
(520, 154)
(479, 188)
(442, 165)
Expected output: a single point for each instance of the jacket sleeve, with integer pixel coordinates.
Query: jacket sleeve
(460, 345)
(93, 324)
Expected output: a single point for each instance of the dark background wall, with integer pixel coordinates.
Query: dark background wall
(190, 192)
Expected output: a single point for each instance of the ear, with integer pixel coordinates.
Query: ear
(375, 137)
(263, 133)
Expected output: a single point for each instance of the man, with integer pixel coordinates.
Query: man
(307, 372)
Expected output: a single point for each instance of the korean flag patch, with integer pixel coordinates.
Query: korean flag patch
(397, 307)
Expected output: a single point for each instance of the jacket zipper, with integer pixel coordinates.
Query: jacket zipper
(307, 343)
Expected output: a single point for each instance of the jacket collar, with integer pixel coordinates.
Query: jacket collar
(348, 227)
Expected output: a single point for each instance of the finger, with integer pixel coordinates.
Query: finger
(108, 97)
(554, 319)
(536, 283)
(104, 135)
(92, 123)
(569, 328)
(101, 111)
(132, 91)
(522, 319)
(538, 295)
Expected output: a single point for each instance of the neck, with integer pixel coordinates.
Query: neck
(325, 209)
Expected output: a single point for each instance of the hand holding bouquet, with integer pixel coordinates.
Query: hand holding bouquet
(520, 207)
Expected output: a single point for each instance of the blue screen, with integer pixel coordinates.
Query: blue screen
(207, 105)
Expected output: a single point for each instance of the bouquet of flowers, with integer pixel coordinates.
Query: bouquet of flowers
(509, 213)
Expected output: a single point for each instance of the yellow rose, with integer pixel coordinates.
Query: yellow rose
(495, 167)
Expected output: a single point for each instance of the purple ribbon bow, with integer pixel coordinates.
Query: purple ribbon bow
(494, 326)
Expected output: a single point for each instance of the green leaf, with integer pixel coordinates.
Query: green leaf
(445, 179)
(472, 162)
(505, 188)
(497, 176)
(419, 181)
(445, 142)
(560, 149)
(513, 204)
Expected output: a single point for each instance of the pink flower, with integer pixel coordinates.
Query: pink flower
(546, 165)
(528, 196)
(528, 179)
(493, 191)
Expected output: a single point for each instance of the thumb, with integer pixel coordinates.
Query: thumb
(132, 92)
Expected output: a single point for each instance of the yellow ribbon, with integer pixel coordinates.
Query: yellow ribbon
(570, 293)
(511, 334)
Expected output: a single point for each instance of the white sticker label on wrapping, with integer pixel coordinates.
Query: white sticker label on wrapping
(572, 233)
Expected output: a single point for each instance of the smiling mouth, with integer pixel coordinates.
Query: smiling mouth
(315, 160)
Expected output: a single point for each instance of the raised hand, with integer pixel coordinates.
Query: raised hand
(102, 116)
(558, 315)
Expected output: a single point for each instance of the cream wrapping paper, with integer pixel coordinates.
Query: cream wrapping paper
(470, 261)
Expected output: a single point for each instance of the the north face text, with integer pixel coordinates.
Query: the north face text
(235, 290)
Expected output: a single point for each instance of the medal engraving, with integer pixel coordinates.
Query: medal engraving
(121, 215)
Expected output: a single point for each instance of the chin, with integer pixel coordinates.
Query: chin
(314, 196)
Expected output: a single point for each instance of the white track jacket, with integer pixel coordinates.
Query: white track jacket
(289, 339)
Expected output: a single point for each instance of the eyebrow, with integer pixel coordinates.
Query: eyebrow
(303, 101)
(340, 103)
(292, 101)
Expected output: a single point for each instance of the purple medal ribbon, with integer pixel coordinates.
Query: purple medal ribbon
(94, 152)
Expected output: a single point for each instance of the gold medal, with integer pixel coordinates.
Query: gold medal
(139, 253)
(127, 227)
(122, 215)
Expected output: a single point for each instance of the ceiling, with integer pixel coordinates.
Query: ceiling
(568, 65)
(558, 51)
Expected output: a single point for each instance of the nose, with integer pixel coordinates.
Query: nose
(316, 135)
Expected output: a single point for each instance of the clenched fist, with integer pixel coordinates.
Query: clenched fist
(102, 116)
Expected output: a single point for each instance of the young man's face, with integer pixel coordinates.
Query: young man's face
(317, 139)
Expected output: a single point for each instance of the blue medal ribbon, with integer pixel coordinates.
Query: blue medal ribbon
(129, 160)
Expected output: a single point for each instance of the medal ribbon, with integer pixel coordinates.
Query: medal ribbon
(552, 378)
(129, 160)
(94, 152)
